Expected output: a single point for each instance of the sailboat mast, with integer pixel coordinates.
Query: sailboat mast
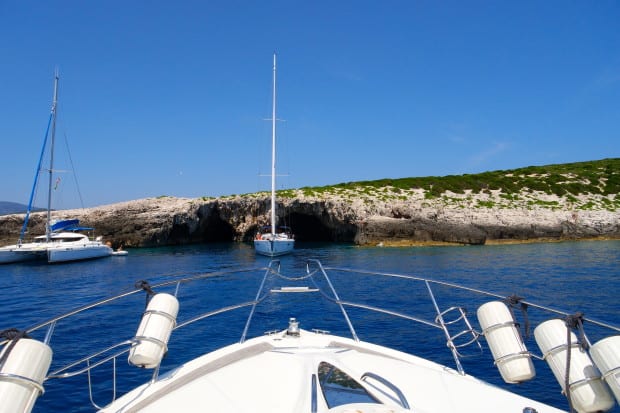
(51, 168)
(273, 152)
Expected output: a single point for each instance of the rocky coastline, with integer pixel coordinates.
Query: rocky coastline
(380, 217)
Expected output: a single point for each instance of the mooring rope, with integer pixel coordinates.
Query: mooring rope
(144, 285)
(574, 321)
(512, 301)
(13, 335)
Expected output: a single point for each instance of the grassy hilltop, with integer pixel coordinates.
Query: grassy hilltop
(583, 185)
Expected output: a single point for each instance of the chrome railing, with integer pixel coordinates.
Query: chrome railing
(319, 281)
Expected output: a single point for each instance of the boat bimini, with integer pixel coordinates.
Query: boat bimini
(293, 369)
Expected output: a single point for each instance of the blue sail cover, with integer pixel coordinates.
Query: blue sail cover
(65, 224)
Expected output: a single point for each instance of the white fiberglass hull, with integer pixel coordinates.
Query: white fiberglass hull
(78, 252)
(14, 253)
(274, 248)
(283, 373)
(62, 247)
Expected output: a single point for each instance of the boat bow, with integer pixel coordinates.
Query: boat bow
(304, 370)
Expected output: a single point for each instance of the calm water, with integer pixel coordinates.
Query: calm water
(570, 276)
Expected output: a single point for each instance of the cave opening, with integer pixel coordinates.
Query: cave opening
(179, 234)
(215, 229)
(309, 228)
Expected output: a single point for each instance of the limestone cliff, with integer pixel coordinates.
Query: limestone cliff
(361, 215)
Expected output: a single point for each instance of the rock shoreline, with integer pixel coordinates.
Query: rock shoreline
(384, 218)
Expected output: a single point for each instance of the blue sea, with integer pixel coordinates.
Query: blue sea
(571, 276)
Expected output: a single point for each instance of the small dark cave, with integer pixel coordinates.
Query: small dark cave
(179, 234)
(215, 229)
(309, 228)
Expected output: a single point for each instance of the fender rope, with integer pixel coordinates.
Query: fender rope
(144, 285)
(512, 301)
(574, 321)
(13, 335)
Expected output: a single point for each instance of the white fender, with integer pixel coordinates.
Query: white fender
(587, 391)
(509, 352)
(22, 374)
(606, 355)
(154, 331)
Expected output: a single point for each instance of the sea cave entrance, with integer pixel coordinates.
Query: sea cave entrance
(217, 230)
(310, 228)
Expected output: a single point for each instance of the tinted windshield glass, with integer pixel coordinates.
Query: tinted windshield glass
(340, 388)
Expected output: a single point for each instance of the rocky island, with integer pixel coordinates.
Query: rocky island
(542, 203)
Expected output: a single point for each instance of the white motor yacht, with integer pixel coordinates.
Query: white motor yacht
(301, 369)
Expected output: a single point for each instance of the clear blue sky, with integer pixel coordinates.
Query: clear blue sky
(169, 97)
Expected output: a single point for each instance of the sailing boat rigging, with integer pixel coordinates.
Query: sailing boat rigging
(61, 241)
(274, 240)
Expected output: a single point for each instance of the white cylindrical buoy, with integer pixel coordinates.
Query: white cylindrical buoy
(606, 355)
(154, 331)
(509, 352)
(22, 374)
(588, 393)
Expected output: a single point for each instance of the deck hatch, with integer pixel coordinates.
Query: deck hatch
(339, 388)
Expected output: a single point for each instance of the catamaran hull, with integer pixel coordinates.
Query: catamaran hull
(13, 255)
(78, 253)
(275, 248)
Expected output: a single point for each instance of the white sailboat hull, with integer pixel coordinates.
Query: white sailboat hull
(62, 247)
(78, 252)
(274, 248)
(54, 252)
(16, 253)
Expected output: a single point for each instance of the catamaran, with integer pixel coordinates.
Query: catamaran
(62, 240)
(273, 240)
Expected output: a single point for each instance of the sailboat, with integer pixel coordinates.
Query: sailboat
(273, 240)
(62, 240)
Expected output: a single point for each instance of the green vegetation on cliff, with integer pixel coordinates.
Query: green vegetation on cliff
(595, 177)
(580, 185)
(567, 181)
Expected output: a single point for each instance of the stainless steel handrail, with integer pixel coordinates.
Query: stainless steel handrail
(401, 397)
(315, 273)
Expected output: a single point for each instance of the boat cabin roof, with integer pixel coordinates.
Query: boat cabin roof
(62, 237)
